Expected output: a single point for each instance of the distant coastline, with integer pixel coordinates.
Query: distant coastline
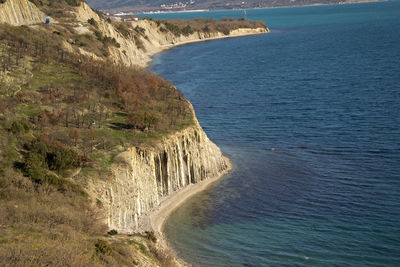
(122, 13)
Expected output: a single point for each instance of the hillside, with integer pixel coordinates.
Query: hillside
(172, 5)
(90, 142)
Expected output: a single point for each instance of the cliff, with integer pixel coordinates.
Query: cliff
(137, 49)
(143, 176)
(158, 41)
(20, 12)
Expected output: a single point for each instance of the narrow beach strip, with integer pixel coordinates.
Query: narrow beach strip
(174, 200)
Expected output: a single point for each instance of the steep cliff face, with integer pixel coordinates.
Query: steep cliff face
(20, 12)
(142, 177)
(153, 41)
(157, 41)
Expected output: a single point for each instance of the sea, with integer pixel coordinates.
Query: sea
(309, 115)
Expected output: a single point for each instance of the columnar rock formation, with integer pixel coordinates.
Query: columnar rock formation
(143, 176)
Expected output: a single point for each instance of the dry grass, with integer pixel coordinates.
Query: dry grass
(41, 226)
(163, 255)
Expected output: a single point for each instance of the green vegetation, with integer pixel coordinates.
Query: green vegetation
(186, 27)
(56, 2)
(112, 232)
(123, 29)
(91, 21)
(151, 236)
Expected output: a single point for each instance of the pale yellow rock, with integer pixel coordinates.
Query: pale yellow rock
(20, 12)
(143, 176)
(84, 12)
(157, 41)
(129, 54)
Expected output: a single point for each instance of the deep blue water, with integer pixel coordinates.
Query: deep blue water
(309, 115)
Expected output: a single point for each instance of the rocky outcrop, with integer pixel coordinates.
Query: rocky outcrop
(20, 12)
(144, 176)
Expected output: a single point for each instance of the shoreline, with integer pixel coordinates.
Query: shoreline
(157, 218)
(253, 8)
(176, 199)
(165, 47)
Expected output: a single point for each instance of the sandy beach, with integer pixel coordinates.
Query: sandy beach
(158, 217)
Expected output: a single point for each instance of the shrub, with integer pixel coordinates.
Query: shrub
(112, 232)
(62, 158)
(102, 247)
(34, 165)
(73, 2)
(91, 21)
(187, 30)
(49, 156)
(173, 28)
(122, 29)
(106, 40)
(139, 43)
(205, 29)
(151, 236)
(18, 127)
(139, 29)
(98, 35)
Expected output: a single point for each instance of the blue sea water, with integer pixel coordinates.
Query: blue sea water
(310, 117)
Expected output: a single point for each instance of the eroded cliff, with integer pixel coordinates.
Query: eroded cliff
(20, 12)
(137, 49)
(143, 176)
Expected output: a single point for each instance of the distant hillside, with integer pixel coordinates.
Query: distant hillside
(175, 5)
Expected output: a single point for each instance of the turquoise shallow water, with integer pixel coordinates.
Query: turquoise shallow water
(309, 115)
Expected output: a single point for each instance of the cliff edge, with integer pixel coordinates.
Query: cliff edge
(143, 177)
(139, 40)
